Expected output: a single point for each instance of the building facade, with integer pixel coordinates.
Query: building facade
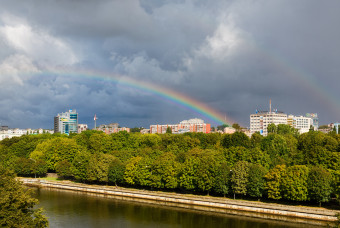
(7, 133)
(192, 125)
(112, 128)
(301, 123)
(229, 130)
(260, 121)
(314, 117)
(66, 122)
(82, 127)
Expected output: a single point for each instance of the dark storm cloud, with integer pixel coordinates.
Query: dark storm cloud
(231, 55)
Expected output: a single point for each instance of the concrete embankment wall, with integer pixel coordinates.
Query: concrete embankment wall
(316, 216)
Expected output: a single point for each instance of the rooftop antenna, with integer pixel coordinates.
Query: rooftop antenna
(270, 105)
(95, 121)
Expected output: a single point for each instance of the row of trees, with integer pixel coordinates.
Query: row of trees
(283, 165)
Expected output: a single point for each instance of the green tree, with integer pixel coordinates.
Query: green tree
(24, 167)
(221, 127)
(273, 182)
(165, 171)
(319, 185)
(257, 156)
(336, 184)
(168, 130)
(144, 173)
(271, 128)
(136, 129)
(256, 139)
(239, 177)
(187, 176)
(63, 169)
(150, 140)
(206, 171)
(39, 168)
(256, 180)
(96, 142)
(235, 154)
(57, 149)
(276, 146)
(318, 155)
(79, 165)
(116, 172)
(236, 126)
(240, 139)
(222, 179)
(323, 127)
(294, 183)
(130, 175)
(98, 167)
(17, 205)
(226, 141)
(25, 145)
(284, 129)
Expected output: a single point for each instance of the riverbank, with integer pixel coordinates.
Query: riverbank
(298, 214)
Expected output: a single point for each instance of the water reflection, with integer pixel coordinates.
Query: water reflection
(72, 209)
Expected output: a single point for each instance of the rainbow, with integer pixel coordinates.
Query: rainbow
(180, 99)
(297, 73)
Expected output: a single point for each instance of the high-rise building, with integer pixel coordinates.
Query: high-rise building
(66, 122)
(261, 119)
(315, 119)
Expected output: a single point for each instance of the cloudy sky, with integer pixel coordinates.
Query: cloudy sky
(230, 55)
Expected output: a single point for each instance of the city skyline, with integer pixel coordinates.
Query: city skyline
(140, 63)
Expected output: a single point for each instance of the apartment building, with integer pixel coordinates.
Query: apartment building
(260, 121)
(301, 123)
(191, 125)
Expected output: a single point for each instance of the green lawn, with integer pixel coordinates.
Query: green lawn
(50, 178)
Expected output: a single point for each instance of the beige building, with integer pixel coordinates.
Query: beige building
(192, 125)
(112, 128)
(82, 127)
(229, 130)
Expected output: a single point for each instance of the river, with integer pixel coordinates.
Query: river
(75, 209)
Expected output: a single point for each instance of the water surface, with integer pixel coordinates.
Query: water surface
(75, 209)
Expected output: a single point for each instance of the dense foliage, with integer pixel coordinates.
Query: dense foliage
(281, 166)
(16, 204)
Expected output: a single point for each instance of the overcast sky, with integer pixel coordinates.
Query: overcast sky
(231, 55)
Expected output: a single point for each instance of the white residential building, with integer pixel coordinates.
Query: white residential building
(260, 121)
(10, 133)
(16, 132)
(301, 123)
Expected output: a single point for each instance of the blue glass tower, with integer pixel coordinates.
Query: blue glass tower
(66, 122)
